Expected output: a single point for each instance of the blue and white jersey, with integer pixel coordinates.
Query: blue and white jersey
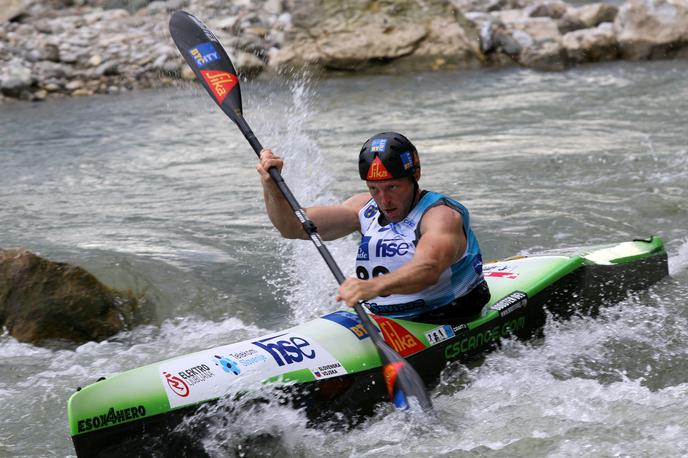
(384, 249)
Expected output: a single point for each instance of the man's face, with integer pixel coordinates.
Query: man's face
(394, 197)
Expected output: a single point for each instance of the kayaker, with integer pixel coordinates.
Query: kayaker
(418, 258)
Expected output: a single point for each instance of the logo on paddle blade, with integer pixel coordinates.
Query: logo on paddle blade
(221, 83)
(176, 384)
(204, 54)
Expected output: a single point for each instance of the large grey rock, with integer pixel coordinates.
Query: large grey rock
(41, 300)
(539, 28)
(489, 5)
(364, 33)
(248, 65)
(592, 45)
(546, 55)
(10, 9)
(595, 14)
(15, 78)
(652, 29)
(554, 9)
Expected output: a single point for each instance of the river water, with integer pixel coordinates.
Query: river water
(156, 191)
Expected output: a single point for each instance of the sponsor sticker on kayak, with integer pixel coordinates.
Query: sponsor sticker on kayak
(439, 334)
(209, 374)
(497, 271)
(349, 321)
(508, 304)
(328, 370)
(111, 417)
(398, 337)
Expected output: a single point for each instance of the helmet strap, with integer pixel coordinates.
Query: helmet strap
(416, 190)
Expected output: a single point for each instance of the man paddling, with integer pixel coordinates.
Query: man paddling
(418, 258)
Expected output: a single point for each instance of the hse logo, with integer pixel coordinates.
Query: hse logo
(363, 253)
(220, 83)
(228, 364)
(176, 384)
(389, 248)
(204, 53)
(378, 171)
(399, 338)
(286, 349)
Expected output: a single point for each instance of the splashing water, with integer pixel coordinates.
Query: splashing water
(304, 280)
(679, 262)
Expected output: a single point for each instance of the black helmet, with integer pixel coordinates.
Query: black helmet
(386, 156)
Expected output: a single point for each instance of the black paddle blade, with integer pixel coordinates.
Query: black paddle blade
(208, 60)
(402, 380)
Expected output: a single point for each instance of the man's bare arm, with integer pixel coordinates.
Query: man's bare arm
(332, 221)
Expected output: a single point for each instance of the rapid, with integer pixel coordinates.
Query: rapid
(157, 191)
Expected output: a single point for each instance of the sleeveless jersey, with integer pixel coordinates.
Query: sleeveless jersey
(384, 249)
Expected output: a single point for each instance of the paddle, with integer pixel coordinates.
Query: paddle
(213, 68)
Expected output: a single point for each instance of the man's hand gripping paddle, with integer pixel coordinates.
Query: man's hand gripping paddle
(209, 61)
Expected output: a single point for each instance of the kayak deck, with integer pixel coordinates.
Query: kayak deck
(330, 364)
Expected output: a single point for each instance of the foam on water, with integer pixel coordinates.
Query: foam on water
(150, 185)
(38, 381)
(679, 261)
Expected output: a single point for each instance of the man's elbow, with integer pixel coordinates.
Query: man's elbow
(293, 233)
(432, 275)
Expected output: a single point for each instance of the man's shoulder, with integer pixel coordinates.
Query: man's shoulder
(357, 202)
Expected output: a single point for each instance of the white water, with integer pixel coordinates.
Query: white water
(157, 190)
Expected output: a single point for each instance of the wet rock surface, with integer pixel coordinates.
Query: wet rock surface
(84, 47)
(43, 301)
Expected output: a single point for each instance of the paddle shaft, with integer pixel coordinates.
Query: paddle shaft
(308, 227)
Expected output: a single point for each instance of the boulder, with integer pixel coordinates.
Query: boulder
(15, 78)
(552, 9)
(11, 9)
(546, 55)
(592, 45)
(595, 14)
(539, 28)
(361, 34)
(652, 29)
(489, 5)
(41, 300)
(247, 64)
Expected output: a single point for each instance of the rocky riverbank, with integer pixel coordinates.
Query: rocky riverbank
(83, 47)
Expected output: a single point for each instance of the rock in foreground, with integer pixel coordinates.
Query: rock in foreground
(41, 300)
